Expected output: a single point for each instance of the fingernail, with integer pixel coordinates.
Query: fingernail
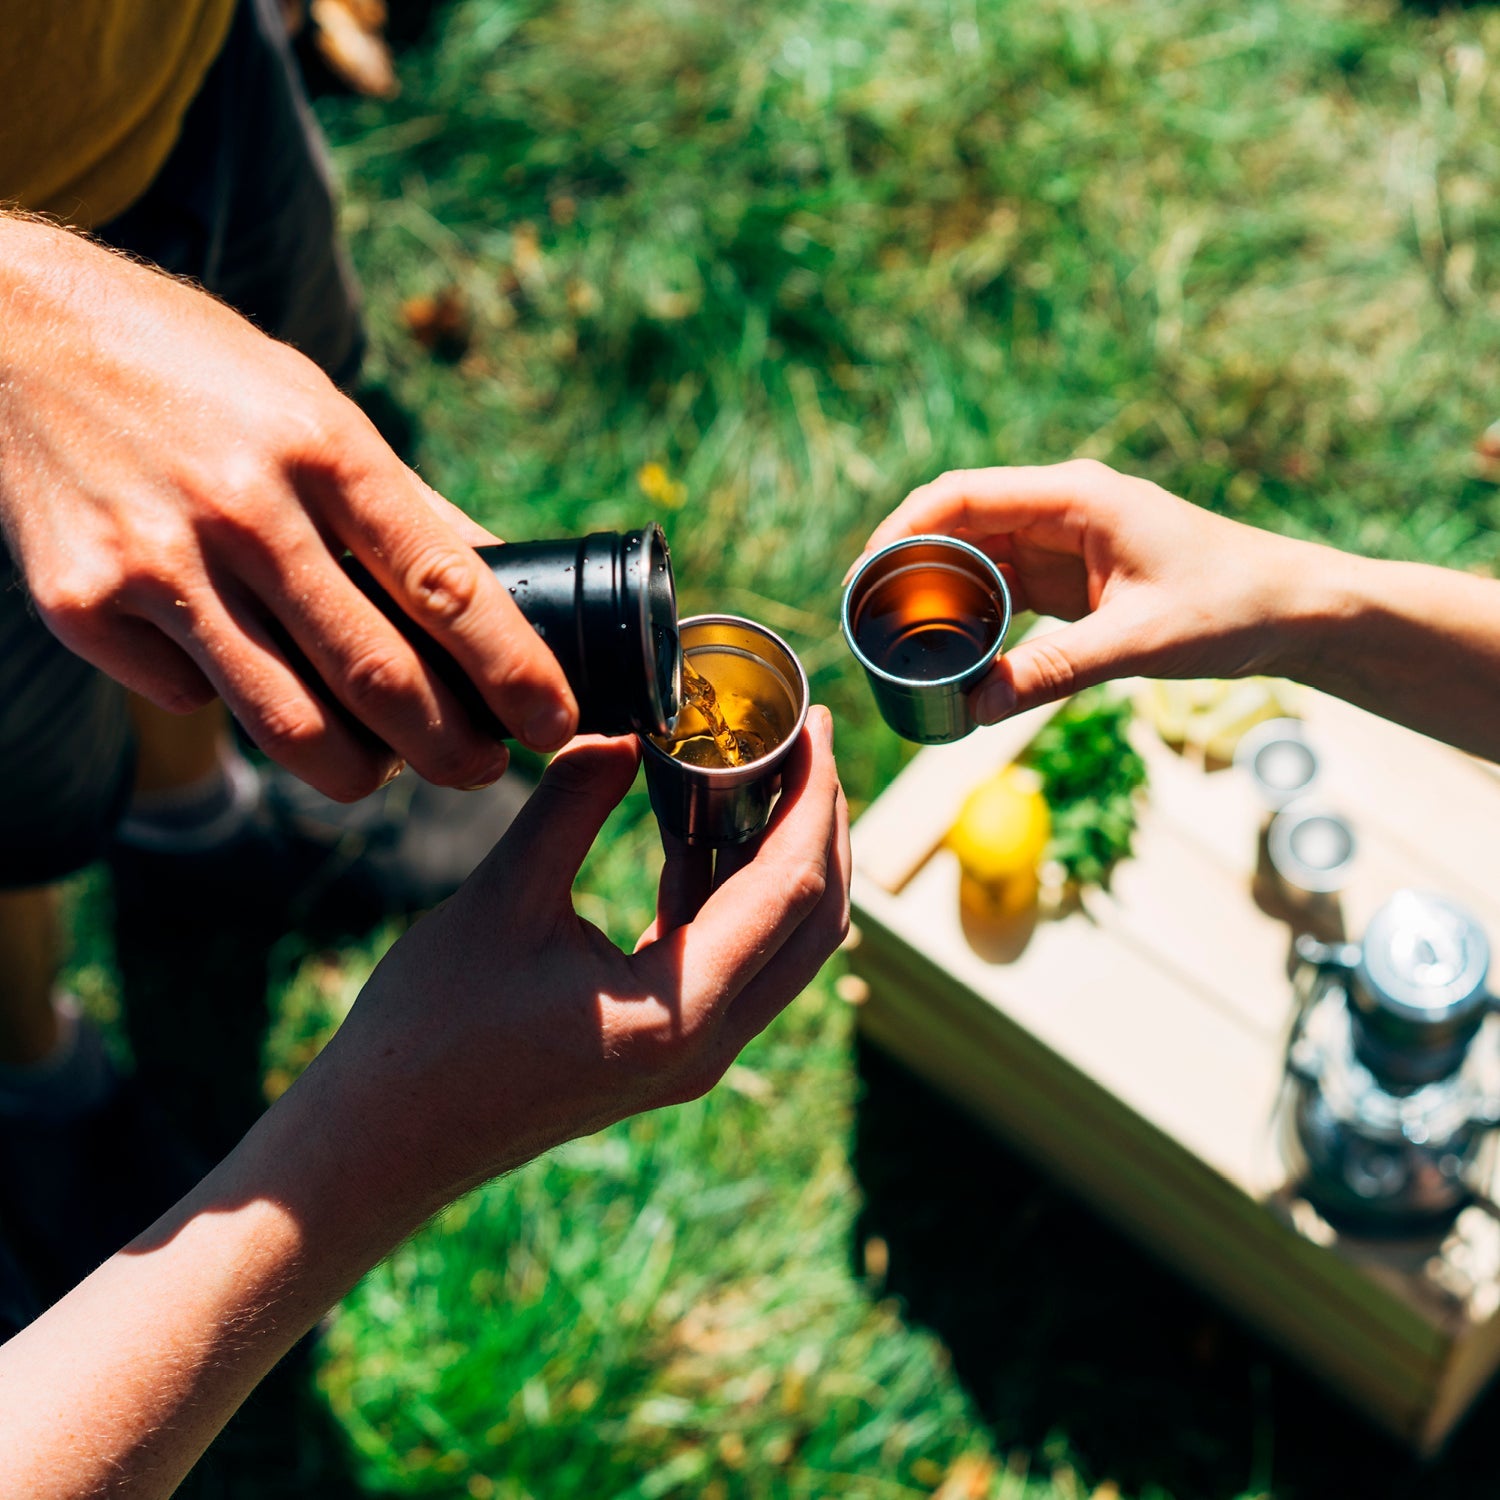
(392, 774)
(826, 718)
(490, 779)
(548, 728)
(995, 701)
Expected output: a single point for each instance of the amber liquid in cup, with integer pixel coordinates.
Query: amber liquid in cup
(722, 726)
(925, 623)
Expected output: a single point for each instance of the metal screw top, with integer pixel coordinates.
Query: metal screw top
(1424, 958)
(1418, 990)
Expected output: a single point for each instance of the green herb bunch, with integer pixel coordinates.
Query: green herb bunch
(1090, 775)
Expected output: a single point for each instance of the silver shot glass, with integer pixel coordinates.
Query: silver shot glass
(1281, 763)
(762, 688)
(926, 617)
(1311, 848)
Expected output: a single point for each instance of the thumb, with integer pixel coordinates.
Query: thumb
(1052, 666)
(551, 835)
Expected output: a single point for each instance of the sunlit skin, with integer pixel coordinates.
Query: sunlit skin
(1157, 587)
(177, 489)
(501, 1025)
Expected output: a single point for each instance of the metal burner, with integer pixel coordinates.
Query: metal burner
(1395, 1075)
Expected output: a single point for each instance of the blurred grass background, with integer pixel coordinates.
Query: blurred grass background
(754, 271)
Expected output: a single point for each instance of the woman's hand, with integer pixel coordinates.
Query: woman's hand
(504, 1023)
(500, 1025)
(177, 489)
(1153, 585)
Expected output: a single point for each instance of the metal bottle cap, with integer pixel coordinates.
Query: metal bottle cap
(1419, 984)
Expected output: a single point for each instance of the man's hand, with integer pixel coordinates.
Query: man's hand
(177, 489)
(1155, 586)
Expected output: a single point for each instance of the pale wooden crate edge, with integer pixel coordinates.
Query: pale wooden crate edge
(1365, 1360)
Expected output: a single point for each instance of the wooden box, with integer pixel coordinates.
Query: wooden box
(1135, 1046)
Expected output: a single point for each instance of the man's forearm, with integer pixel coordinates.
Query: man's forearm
(124, 1382)
(1416, 644)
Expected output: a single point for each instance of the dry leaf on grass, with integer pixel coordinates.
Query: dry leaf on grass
(440, 322)
(970, 1478)
(350, 37)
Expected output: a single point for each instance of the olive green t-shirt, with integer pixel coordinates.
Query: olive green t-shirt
(92, 96)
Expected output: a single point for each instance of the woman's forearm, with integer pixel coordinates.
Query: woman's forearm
(1415, 644)
(122, 1384)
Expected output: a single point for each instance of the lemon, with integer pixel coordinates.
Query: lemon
(998, 838)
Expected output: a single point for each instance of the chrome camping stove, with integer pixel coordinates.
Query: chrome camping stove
(1394, 1077)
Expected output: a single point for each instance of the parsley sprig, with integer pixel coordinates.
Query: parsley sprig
(1090, 775)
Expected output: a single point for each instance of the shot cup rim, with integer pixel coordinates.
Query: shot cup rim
(778, 752)
(986, 563)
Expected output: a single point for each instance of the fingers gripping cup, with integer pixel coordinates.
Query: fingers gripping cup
(715, 773)
(926, 617)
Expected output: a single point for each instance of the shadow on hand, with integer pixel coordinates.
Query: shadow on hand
(1077, 1346)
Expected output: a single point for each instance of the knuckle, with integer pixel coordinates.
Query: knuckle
(236, 485)
(458, 763)
(372, 678)
(68, 597)
(836, 925)
(1053, 669)
(1090, 474)
(354, 784)
(806, 882)
(286, 730)
(444, 585)
(181, 697)
(303, 428)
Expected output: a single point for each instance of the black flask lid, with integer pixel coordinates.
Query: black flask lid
(627, 619)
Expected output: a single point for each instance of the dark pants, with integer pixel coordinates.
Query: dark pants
(243, 206)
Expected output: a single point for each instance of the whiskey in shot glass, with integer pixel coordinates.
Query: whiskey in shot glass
(925, 617)
(714, 774)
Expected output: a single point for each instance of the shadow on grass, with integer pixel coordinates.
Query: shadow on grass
(1075, 1345)
(195, 1010)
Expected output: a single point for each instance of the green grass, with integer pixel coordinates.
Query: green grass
(805, 254)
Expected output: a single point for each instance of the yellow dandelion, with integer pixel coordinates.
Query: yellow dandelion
(659, 486)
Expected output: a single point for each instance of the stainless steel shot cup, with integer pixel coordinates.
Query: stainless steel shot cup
(926, 617)
(1279, 760)
(1311, 849)
(712, 805)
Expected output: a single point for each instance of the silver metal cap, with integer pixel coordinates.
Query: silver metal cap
(1425, 960)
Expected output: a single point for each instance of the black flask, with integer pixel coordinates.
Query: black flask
(606, 606)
